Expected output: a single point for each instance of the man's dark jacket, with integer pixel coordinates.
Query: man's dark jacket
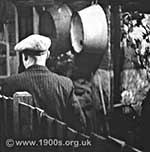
(51, 92)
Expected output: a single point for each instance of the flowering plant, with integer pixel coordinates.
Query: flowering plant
(136, 34)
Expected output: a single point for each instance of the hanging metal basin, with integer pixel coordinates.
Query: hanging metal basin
(89, 30)
(55, 23)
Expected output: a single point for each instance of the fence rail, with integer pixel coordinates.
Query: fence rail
(25, 127)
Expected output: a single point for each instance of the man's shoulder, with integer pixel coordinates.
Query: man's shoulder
(62, 79)
(14, 77)
(9, 84)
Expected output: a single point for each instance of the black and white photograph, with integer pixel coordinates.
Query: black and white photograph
(74, 76)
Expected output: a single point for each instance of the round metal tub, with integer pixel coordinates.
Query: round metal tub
(89, 30)
(55, 22)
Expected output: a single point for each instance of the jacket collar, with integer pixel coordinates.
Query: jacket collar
(37, 68)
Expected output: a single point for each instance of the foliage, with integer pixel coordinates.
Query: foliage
(135, 34)
(135, 37)
(134, 88)
(62, 64)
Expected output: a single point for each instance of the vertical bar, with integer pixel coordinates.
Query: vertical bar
(116, 51)
(35, 21)
(9, 103)
(26, 125)
(5, 118)
(2, 135)
(7, 49)
(23, 97)
(16, 116)
(36, 124)
(110, 99)
(16, 33)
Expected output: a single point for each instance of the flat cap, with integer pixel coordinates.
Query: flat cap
(36, 44)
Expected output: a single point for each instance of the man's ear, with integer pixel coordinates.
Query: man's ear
(48, 54)
(25, 56)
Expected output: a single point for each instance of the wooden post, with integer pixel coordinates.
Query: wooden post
(116, 51)
(24, 97)
(16, 117)
(20, 97)
(26, 120)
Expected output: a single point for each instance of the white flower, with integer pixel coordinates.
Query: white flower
(137, 33)
(127, 97)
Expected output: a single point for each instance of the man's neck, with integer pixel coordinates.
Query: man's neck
(36, 64)
(38, 60)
